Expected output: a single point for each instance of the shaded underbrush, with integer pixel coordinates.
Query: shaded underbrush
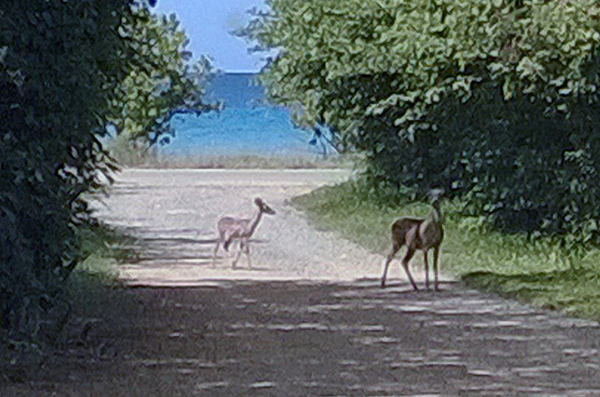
(72, 324)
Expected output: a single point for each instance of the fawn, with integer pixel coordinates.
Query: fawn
(230, 229)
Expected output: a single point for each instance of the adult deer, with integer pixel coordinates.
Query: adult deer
(230, 229)
(418, 234)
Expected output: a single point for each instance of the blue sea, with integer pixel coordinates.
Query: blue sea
(247, 125)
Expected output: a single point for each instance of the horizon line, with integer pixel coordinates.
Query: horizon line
(241, 71)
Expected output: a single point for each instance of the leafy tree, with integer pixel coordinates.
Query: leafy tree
(162, 80)
(67, 68)
(54, 57)
(494, 100)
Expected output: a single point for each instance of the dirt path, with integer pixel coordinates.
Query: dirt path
(309, 320)
(176, 211)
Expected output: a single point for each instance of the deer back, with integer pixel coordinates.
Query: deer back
(402, 226)
(232, 226)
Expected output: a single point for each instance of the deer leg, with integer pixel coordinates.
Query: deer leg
(395, 249)
(407, 258)
(436, 253)
(247, 252)
(214, 262)
(233, 265)
(426, 269)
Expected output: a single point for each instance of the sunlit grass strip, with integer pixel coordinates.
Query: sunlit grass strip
(250, 161)
(138, 154)
(103, 249)
(533, 270)
(94, 290)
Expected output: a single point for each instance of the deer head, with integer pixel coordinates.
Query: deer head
(435, 195)
(263, 207)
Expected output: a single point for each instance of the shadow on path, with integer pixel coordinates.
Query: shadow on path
(305, 338)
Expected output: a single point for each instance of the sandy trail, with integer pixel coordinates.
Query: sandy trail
(310, 320)
(175, 213)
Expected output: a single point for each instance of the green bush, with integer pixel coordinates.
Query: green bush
(66, 70)
(496, 101)
(54, 57)
(530, 172)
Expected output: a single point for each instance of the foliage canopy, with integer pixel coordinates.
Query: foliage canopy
(67, 69)
(161, 80)
(496, 101)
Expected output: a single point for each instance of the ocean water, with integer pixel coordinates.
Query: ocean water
(246, 126)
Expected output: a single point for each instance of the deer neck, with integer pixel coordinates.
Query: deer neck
(255, 223)
(436, 215)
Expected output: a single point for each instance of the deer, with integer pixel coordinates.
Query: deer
(230, 229)
(418, 234)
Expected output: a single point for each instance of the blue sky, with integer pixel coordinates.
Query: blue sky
(208, 23)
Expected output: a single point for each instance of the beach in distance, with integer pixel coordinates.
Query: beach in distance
(247, 126)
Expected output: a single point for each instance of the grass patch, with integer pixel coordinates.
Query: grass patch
(533, 270)
(93, 288)
(249, 161)
(139, 154)
(129, 152)
(103, 248)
